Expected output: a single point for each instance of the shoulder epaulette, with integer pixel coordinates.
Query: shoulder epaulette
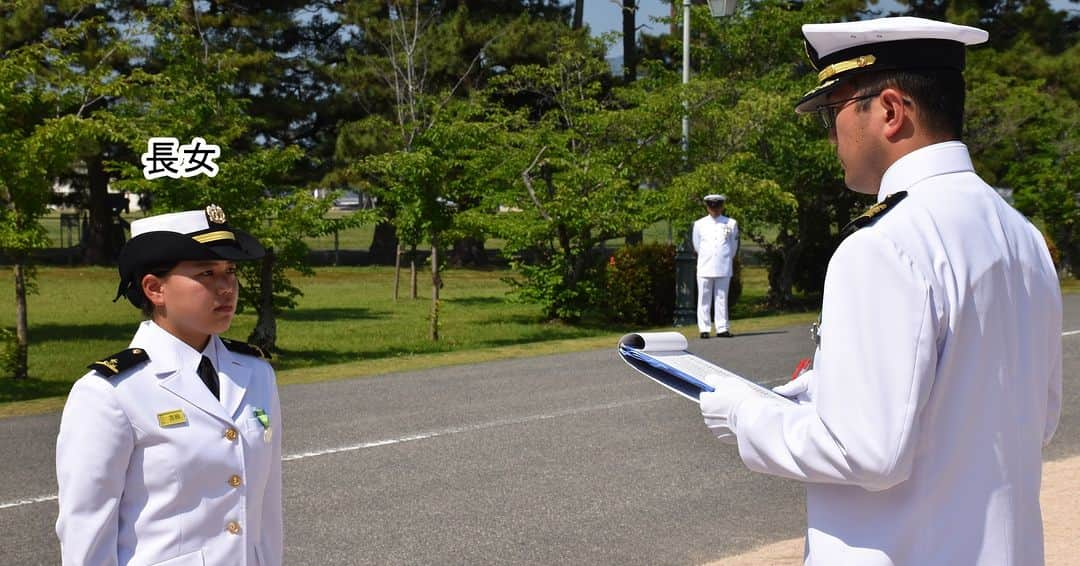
(245, 348)
(873, 213)
(120, 361)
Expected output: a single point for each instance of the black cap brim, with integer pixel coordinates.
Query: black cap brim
(812, 100)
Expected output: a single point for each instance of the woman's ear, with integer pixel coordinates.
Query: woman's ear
(154, 289)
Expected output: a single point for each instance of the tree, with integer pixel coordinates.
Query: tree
(778, 169)
(1022, 135)
(629, 40)
(407, 40)
(566, 170)
(190, 96)
(418, 59)
(104, 49)
(426, 182)
(40, 82)
(1021, 109)
(458, 47)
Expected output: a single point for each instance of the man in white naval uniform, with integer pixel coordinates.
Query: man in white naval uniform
(937, 377)
(170, 453)
(716, 241)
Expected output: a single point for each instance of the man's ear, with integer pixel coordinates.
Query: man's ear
(895, 112)
(153, 288)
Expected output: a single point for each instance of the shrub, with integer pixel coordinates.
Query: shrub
(1055, 253)
(565, 290)
(640, 285)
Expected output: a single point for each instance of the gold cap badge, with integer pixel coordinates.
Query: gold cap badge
(215, 214)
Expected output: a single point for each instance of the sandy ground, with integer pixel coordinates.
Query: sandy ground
(1061, 523)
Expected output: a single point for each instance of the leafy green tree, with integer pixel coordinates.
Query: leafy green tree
(398, 75)
(427, 182)
(1022, 134)
(410, 40)
(187, 97)
(1021, 110)
(283, 54)
(413, 61)
(45, 124)
(566, 173)
(99, 54)
(778, 169)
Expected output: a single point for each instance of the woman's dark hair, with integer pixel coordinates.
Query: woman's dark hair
(937, 93)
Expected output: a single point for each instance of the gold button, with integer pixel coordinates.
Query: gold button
(235, 480)
(233, 527)
(230, 434)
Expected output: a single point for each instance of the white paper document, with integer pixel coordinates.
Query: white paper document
(662, 357)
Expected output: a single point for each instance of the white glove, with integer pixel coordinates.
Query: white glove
(718, 407)
(798, 388)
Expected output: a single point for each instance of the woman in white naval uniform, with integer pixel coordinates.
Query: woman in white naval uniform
(169, 453)
(937, 379)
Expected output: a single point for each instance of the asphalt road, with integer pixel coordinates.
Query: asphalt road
(566, 459)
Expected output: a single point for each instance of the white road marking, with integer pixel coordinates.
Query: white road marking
(419, 436)
(474, 427)
(21, 502)
(1070, 333)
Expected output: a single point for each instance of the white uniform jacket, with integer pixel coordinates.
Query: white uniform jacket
(715, 240)
(153, 470)
(937, 381)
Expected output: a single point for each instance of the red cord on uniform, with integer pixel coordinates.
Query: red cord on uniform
(804, 364)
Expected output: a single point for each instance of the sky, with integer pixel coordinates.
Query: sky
(606, 15)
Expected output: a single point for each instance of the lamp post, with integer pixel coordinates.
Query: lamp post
(685, 258)
(718, 9)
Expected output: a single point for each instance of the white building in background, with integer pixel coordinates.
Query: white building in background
(65, 189)
(347, 200)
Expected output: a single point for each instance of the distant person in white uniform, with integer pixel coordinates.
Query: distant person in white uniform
(169, 452)
(937, 374)
(716, 241)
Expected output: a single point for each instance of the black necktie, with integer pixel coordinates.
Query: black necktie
(209, 376)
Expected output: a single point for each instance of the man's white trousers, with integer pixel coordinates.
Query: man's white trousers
(712, 290)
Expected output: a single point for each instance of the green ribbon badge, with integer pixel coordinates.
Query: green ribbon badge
(264, 419)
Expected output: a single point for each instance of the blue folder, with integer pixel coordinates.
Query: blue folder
(672, 378)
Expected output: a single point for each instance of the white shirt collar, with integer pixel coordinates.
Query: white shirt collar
(923, 163)
(164, 348)
(211, 351)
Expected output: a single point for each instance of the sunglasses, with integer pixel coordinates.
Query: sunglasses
(828, 112)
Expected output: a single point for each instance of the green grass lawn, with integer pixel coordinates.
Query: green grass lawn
(346, 324)
(346, 315)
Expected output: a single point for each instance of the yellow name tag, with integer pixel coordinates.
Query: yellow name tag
(171, 418)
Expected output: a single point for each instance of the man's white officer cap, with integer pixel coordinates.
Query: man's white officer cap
(713, 198)
(843, 50)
